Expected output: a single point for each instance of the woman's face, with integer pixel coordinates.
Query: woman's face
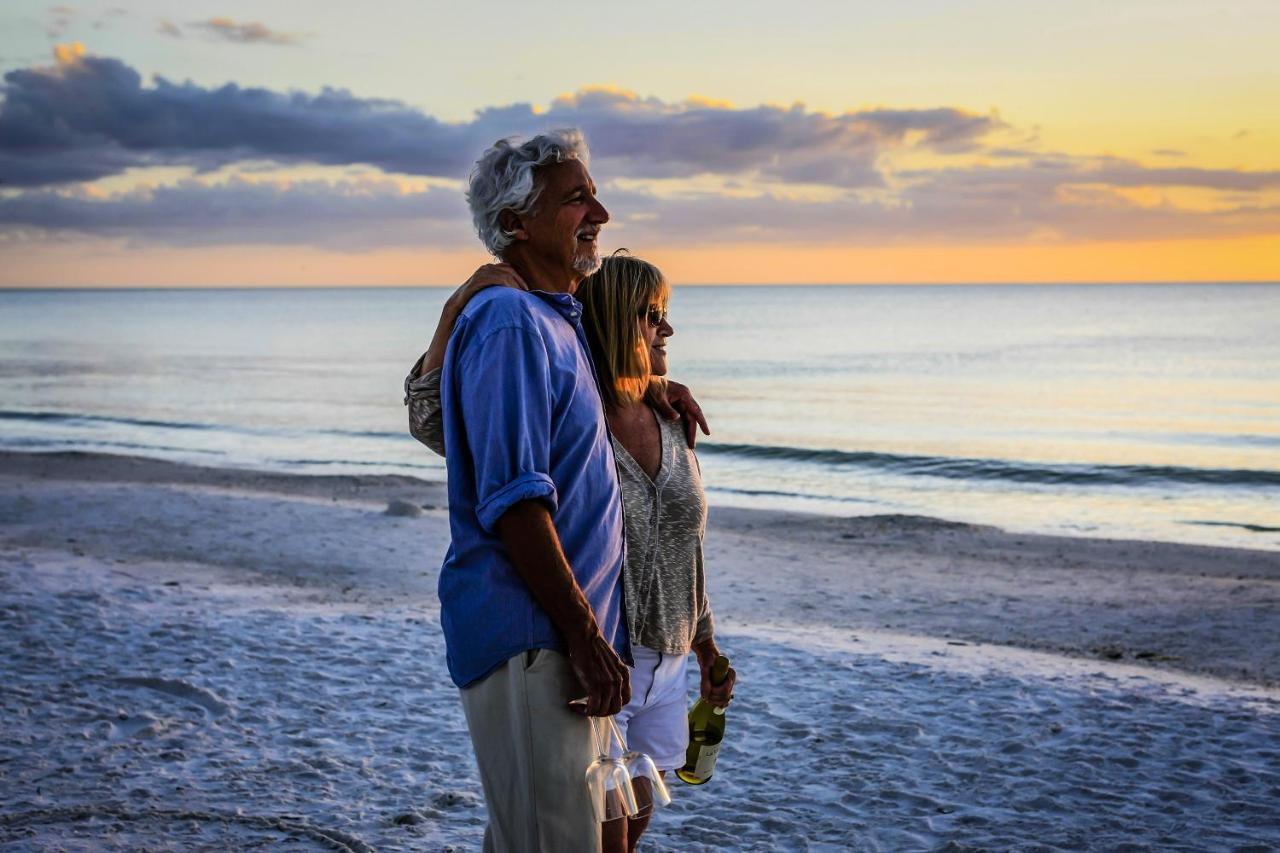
(654, 331)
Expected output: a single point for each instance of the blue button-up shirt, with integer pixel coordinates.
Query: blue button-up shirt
(523, 421)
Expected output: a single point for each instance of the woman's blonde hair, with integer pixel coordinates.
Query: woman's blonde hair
(613, 299)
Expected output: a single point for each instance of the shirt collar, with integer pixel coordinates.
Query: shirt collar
(564, 303)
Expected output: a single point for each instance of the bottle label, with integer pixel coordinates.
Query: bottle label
(706, 761)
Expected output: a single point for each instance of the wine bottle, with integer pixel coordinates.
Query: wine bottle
(706, 731)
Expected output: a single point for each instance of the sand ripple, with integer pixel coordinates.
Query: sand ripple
(145, 715)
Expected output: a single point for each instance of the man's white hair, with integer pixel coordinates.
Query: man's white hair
(503, 179)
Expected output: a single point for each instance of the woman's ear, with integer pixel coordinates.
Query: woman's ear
(513, 225)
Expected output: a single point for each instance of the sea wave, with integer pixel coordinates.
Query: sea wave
(78, 417)
(357, 463)
(779, 493)
(1252, 528)
(100, 444)
(74, 418)
(960, 468)
(910, 465)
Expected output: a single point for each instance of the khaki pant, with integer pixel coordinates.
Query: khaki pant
(533, 754)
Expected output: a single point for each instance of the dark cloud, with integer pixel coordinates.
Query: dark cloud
(96, 117)
(944, 129)
(647, 137)
(92, 117)
(245, 32)
(377, 213)
(345, 214)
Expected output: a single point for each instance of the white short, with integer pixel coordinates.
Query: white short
(656, 720)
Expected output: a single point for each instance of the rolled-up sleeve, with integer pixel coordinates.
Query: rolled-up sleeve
(505, 406)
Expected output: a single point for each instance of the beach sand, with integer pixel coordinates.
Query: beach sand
(200, 658)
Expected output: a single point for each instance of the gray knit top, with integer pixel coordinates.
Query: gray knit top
(666, 517)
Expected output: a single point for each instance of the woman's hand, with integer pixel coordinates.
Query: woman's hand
(489, 275)
(717, 696)
(678, 402)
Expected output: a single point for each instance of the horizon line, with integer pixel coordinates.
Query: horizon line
(425, 286)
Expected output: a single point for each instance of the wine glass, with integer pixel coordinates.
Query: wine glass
(646, 778)
(608, 782)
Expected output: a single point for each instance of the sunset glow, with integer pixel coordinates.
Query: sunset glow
(245, 147)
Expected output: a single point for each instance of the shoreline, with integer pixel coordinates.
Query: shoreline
(211, 659)
(98, 466)
(1200, 609)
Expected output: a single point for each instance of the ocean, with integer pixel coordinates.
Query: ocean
(1124, 411)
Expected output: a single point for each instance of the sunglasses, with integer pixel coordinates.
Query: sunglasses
(654, 315)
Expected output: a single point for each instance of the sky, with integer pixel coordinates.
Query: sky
(285, 144)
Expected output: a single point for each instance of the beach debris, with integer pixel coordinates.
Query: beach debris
(1108, 652)
(403, 509)
(184, 690)
(454, 799)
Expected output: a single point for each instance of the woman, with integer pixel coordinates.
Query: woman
(624, 315)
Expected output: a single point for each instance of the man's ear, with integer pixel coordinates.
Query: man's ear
(513, 225)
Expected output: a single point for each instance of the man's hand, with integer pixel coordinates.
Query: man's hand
(678, 402)
(721, 696)
(605, 679)
(533, 546)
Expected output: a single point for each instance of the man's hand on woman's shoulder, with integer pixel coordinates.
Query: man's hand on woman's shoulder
(672, 400)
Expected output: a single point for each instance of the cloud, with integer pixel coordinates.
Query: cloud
(782, 174)
(351, 214)
(1057, 171)
(59, 20)
(934, 211)
(247, 32)
(92, 116)
(1122, 174)
(651, 138)
(375, 213)
(110, 16)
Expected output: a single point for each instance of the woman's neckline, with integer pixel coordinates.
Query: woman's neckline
(658, 472)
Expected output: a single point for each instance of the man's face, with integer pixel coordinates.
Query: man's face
(563, 231)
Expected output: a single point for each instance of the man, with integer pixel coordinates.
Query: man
(531, 603)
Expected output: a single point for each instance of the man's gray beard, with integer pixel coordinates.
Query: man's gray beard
(586, 264)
